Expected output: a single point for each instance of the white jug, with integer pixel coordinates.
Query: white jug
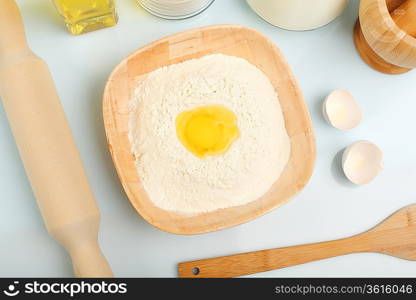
(298, 14)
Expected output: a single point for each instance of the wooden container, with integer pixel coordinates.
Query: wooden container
(233, 40)
(385, 35)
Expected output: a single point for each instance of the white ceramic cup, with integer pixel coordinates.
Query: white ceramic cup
(298, 14)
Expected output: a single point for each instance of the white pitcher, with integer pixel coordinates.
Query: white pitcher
(298, 14)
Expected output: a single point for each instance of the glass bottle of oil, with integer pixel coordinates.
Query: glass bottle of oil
(83, 16)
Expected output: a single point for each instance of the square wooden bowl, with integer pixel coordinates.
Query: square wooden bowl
(232, 40)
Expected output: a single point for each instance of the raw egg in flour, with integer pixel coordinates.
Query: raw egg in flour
(207, 130)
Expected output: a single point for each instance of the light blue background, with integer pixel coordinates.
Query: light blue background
(328, 208)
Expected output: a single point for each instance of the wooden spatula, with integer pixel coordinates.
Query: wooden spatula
(395, 236)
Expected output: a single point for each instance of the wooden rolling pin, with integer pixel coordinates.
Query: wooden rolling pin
(395, 236)
(47, 147)
(385, 35)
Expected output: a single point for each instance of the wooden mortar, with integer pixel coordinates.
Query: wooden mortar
(385, 35)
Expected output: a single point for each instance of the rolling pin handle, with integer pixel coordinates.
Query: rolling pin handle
(13, 37)
(81, 241)
(88, 261)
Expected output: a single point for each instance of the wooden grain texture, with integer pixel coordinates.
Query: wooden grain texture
(47, 148)
(405, 17)
(233, 40)
(385, 35)
(371, 57)
(395, 236)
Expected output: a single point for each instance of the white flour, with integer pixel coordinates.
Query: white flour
(174, 178)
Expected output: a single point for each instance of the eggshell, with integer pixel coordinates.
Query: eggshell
(341, 110)
(362, 162)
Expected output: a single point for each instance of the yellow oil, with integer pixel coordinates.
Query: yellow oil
(83, 16)
(207, 130)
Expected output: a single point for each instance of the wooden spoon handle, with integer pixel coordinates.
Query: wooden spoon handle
(266, 260)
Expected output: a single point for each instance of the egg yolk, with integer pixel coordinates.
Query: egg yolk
(207, 130)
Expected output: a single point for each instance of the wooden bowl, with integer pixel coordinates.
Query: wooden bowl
(233, 40)
(381, 43)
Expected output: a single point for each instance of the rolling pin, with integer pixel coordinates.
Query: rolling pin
(385, 35)
(47, 148)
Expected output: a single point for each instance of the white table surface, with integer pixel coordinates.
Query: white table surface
(328, 208)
